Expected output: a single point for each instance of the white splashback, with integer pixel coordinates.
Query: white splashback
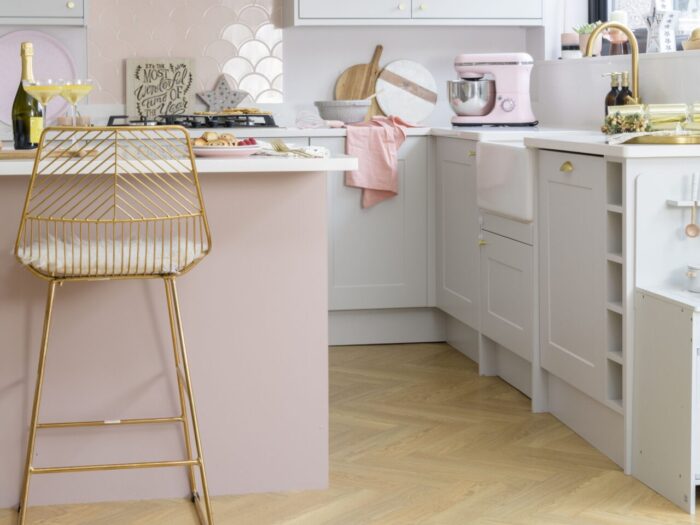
(572, 92)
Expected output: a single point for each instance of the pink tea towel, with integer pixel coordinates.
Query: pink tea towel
(375, 143)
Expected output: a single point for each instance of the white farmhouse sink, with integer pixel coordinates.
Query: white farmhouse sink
(505, 176)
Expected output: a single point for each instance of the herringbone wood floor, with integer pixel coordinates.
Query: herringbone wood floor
(417, 437)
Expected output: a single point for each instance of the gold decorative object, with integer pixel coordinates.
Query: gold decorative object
(634, 46)
(116, 203)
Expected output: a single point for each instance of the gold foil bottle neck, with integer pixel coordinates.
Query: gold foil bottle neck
(27, 49)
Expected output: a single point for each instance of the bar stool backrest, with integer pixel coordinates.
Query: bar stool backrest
(113, 203)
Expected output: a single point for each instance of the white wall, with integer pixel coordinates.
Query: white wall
(314, 57)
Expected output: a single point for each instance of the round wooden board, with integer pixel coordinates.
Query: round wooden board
(406, 89)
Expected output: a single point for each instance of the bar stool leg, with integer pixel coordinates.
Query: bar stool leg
(170, 282)
(180, 388)
(37, 401)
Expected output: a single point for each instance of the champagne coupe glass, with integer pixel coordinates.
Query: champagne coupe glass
(43, 91)
(73, 91)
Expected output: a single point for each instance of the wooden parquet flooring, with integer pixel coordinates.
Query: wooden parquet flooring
(417, 437)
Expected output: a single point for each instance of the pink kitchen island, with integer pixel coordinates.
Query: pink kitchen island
(255, 316)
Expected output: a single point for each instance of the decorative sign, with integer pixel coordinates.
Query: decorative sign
(159, 86)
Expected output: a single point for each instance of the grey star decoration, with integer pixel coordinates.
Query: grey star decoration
(222, 96)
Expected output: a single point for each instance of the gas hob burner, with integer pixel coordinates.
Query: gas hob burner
(221, 120)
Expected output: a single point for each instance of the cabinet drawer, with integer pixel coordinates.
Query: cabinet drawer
(344, 9)
(519, 231)
(476, 9)
(507, 294)
(41, 9)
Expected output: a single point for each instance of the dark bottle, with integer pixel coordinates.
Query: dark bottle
(611, 97)
(27, 119)
(624, 98)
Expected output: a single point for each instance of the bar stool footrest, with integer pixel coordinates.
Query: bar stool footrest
(116, 466)
(112, 422)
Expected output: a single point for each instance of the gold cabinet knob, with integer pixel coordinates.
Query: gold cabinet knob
(471, 153)
(423, 7)
(567, 167)
(402, 7)
(70, 5)
(482, 242)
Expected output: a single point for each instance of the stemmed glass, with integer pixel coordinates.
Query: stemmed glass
(73, 91)
(43, 91)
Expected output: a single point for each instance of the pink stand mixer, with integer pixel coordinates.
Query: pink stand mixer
(493, 90)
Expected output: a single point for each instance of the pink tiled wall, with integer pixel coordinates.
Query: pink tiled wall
(239, 38)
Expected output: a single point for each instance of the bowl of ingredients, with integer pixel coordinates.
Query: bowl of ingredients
(348, 111)
(213, 144)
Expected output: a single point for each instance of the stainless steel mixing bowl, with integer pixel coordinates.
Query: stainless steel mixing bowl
(472, 98)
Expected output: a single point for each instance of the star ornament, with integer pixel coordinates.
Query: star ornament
(222, 96)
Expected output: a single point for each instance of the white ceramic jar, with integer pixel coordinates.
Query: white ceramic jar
(694, 278)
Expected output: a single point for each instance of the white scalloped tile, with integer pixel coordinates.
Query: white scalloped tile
(254, 51)
(269, 97)
(269, 35)
(269, 67)
(237, 68)
(238, 34)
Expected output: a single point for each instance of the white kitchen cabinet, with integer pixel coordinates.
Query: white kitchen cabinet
(477, 9)
(378, 257)
(573, 270)
(342, 9)
(418, 12)
(457, 223)
(666, 441)
(507, 293)
(42, 12)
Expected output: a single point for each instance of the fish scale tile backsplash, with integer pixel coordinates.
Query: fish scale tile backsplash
(239, 38)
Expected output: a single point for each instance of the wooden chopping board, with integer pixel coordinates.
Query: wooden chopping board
(18, 154)
(358, 82)
(13, 154)
(408, 90)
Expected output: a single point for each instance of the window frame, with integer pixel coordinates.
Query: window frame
(597, 10)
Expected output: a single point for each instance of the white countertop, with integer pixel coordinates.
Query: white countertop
(682, 298)
(595, 144)
(254, 164)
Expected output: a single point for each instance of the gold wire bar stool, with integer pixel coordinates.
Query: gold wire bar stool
(117, 203)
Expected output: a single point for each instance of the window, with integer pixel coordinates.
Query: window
(638, 12)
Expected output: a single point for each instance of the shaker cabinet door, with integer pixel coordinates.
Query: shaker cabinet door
(353, 9)
(378, 257)
(478, 9)
(457, 242)
(507, 293)
(573, 269)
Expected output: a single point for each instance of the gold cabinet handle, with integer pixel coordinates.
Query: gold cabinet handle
(70, 5)
(482, 242)
(402, 6)
(567, 167)
(471, 153)
(423, 7)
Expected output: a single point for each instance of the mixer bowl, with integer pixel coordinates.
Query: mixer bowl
(472, 98)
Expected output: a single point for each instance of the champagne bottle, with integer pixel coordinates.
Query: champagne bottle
(27, 121)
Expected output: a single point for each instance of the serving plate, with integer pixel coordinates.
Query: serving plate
(225, 151)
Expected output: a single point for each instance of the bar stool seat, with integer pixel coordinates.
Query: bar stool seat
(79, 258)
(117, 203)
